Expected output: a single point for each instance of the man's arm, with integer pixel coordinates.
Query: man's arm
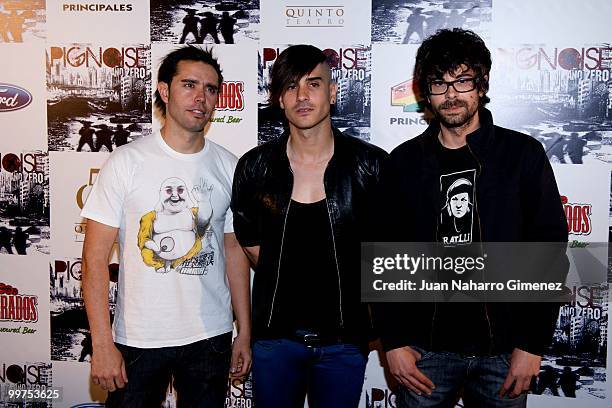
(238, 275)
(253, 254)
(245, 208)
(107, 365)
(544, 222)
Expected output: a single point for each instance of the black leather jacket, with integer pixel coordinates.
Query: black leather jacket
(263, 183)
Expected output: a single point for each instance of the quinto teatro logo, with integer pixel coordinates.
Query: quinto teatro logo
(314, 16)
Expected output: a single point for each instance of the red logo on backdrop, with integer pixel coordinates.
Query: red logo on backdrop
(15, 307)
(231, 96)
(13, 97)
(578, 217)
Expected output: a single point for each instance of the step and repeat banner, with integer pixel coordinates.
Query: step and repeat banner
(76, 81)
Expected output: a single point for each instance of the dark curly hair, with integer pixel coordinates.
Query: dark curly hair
(445, 52)
(167, 69)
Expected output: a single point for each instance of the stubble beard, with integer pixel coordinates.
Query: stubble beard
(455, 120)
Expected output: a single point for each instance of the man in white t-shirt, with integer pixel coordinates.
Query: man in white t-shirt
(167, 198)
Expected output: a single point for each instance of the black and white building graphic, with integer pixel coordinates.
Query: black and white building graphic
(574, 366)
(70, 337)
(24, 203)
(204, 21)
(98, 98)
(411, 21)
(562, 96)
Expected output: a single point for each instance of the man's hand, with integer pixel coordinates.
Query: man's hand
(241, 356)
(402, 364)
(108, 368)
(523, 367)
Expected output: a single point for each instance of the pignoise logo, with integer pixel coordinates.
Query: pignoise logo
(13, 97)
(403, 95)
(15, 307)
(314, 16)
(574, 60)
(578, 217)
(379, 398)
(26, 374)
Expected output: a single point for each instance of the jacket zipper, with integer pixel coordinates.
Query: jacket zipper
(331, 227)
(486, 309)
(335, 256)
(280, 258)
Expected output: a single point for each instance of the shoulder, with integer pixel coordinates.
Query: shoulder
(252, 159)
(225, 155)
(362, 148)
(517, 141)
(137, 147)
(408, 149)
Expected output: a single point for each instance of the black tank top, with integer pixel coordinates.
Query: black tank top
(307, 296)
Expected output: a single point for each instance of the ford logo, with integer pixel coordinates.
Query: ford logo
(13, 97)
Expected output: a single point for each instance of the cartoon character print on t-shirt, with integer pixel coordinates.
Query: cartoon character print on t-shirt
(177, 235)
(456, 222)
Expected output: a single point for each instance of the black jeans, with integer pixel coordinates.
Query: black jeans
(200, 371)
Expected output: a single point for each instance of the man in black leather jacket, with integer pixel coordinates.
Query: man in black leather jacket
(463, 181)
(298, 204)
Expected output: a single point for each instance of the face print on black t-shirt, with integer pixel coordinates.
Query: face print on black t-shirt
(456, 220)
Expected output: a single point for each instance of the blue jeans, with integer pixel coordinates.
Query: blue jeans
(480, 377)
(200, 371)
(285, 370)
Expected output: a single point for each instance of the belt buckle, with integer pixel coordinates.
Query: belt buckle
(311, 340)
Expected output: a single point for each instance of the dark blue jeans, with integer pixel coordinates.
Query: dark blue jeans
(285, 370)
(481, 378)
(200, 371)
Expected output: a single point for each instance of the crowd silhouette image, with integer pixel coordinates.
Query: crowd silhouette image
(12, 25)
(209, 25)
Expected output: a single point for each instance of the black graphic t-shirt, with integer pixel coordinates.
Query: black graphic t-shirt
(459, 327)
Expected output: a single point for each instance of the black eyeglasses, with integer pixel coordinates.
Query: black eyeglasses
(461, 85)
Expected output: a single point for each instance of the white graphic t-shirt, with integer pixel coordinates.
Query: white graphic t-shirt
(172, 210)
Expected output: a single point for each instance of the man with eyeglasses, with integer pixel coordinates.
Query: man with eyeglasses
(488, 353)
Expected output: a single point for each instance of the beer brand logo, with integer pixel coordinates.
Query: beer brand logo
(578, 217)
(403, 94)
(81, 197)
(13, 97)
(314, 16)
(83, 191)
(231, 97)
(15, 307)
